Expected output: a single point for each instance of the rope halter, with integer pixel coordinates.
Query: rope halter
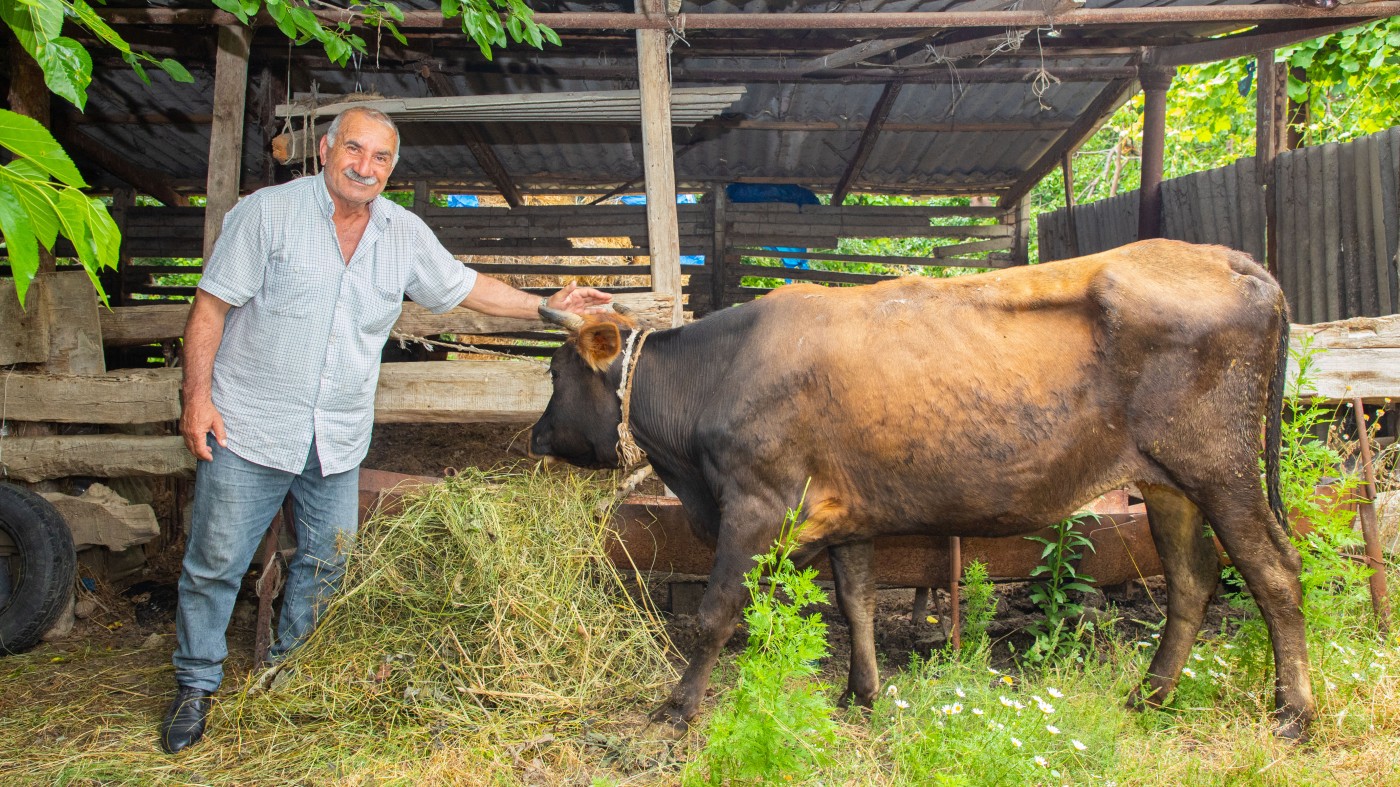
(627, 448)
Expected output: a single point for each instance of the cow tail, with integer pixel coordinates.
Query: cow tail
(1273, 426)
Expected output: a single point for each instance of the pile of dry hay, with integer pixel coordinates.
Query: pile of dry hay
(481, 630)
(487, 597)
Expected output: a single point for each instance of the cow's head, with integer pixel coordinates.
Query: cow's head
(580, 423)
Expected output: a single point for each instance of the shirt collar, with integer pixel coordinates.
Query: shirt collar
(378, 212)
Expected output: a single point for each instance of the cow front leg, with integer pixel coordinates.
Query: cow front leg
(855, 595)
(719, 612)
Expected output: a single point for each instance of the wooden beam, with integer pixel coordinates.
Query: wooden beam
(862, 51)
(226, 137)
(143, 179)
(954, 126)
(131, 325)
(133, 396)
(654, 82)
(719, 246)
(461, 392)
(481, 150)
(835, 20)
(1255, 41)
(867, 142)
(1093, 116)
(1361, 358)
(35, 459)
(1271, 129)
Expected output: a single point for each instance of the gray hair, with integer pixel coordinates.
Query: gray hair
(372, 114)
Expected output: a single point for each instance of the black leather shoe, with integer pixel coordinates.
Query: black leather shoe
(184, 719)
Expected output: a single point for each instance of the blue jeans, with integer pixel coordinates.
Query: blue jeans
(234, 501)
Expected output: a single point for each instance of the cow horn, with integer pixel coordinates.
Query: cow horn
(566, 320)
(623, 309)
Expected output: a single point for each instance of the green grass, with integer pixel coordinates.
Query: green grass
(510, 567)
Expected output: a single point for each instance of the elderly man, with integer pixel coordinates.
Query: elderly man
(281, 363)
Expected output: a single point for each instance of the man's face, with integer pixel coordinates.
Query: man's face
(357, 167)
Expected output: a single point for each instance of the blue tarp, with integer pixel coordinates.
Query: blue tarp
(681, 199)
(774, 192)
(461, 201)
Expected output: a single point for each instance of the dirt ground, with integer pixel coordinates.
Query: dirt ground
(138, 611)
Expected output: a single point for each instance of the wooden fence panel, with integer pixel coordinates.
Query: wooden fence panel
(1338, 209)
(1338, 233)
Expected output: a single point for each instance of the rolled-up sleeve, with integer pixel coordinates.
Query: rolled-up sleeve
(438, 281)
(234, 271)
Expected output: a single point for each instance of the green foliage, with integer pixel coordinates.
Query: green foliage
(480, 20)
(1353, 80)
(41, 198)
(1053, 636)
(775, 723)
(979, 595)
(67, 66)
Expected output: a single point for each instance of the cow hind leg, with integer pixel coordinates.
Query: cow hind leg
(855, 594)
(1192, 569)
(1270, 566)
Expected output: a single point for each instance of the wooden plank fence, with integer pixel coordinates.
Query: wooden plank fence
(1338, 206)
(614, 239)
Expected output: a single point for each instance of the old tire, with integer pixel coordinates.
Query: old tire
(40, 569)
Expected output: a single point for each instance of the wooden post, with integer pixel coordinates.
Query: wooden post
(114, 281)
(1366, 511)
(1019, 218)
(1270, 135)
(719, 207)
(954, 577)
(663, 235)
(422, 199)
(1067, 170)
(226, 135)
(1155, 81)
(1298, 114)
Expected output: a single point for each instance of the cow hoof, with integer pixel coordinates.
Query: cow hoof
(670, 718)
(1140, 701)
(1295, 731)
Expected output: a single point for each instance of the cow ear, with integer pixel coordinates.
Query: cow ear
(599, 343)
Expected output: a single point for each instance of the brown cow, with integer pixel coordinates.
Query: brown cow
(984, 405)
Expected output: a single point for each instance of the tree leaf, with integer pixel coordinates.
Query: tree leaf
(39, 199)
(67, 70)
(20, 242)
(27, 138)
(176, 70)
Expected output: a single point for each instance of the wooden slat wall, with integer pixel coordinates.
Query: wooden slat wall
(1338, 208)
(1338, 234)
(547, 230)
(1105, 224)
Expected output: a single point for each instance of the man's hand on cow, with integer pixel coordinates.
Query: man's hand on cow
(579, 300)
(196, 422)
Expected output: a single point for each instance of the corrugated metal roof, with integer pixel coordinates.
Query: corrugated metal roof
(949, 130)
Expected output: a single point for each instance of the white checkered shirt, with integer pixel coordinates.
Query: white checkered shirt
(299, 359)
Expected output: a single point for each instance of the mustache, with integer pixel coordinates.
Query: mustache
(363, 180)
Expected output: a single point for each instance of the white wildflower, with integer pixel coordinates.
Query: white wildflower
(1078, 745)
(1039, 760)
(1054, 692)
(891, 690)
(1015, 742)
(901, 704)
(1052, 729)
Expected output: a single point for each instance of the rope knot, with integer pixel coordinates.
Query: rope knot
(627, 448)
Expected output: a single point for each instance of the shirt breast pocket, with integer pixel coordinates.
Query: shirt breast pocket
(380, 309)
(290, 288)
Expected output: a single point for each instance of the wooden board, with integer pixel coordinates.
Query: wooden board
(462, 392)
(103, 456)
(128, 325)
(133, 396)
(1360, 357)
(21, 341)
